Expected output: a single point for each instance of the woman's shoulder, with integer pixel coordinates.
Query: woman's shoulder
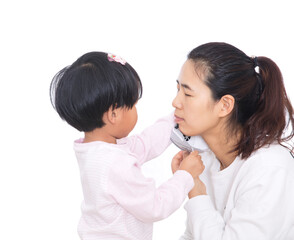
(271, 156)
(268, 165)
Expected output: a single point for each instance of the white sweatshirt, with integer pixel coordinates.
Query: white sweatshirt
(251, 199)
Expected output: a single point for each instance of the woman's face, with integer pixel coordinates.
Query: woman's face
(195, 110)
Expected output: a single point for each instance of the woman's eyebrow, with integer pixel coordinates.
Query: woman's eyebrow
(185, 86)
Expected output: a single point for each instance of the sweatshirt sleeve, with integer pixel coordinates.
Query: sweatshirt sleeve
(152, 141)
(139, 196)
(263, 205)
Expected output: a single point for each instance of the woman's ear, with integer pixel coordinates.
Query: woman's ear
(227, 103)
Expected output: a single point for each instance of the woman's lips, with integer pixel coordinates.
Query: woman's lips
(178, 119)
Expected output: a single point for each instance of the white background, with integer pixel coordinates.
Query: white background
(40, 192)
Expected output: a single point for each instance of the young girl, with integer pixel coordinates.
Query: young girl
(240, 107)
(97, 95)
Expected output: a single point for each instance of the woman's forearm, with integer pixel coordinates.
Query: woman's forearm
(198, 189)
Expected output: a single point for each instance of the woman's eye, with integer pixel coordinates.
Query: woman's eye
(187, 95)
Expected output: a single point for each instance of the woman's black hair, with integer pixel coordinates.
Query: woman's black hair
(82, 92)
(262, 109)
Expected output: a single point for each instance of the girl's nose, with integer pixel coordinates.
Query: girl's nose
(176, 102)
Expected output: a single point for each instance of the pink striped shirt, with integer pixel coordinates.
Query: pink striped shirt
(119, 202)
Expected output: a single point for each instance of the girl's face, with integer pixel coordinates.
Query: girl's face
(195, 110)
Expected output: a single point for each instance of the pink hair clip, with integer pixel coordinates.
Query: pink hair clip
(114, 58)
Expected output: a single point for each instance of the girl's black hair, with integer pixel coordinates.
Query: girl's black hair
(82, 92)
(262, 109)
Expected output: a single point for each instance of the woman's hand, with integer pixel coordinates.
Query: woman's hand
(191, 163)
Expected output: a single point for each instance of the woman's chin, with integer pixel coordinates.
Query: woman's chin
(184, 130)
(188, 132)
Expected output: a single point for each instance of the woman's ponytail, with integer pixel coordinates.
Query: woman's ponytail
(274, 112)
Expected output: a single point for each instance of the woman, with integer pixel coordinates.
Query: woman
(240, 107)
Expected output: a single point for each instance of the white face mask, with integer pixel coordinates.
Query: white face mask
(188, 143)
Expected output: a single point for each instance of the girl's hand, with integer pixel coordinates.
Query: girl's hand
(177, 159)
(183, 160)
(192, 164)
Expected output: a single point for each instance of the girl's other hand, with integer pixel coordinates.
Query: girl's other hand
(192, 164)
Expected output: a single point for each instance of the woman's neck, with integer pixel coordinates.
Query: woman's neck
(222, 147)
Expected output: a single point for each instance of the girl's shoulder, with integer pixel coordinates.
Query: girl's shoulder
(96, 146)
(101, 151)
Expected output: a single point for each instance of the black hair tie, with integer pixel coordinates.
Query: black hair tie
(258, 76)
(255, 62)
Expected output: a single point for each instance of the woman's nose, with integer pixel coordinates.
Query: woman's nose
(176, 102)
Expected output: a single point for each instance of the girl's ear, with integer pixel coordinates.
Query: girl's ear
(227, 103)
(113, 115)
